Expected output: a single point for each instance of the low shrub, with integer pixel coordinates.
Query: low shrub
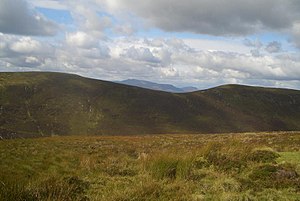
(263, 155)
(275, 176)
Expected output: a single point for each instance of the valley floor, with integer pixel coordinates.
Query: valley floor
(248, 166)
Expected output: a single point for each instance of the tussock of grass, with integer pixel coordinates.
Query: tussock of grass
(170, 166)
(263, 155)
(226, 158)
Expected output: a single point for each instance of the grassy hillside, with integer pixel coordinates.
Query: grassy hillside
(232, 167)
(43, 104)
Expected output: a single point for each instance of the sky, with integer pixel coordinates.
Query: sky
(200, 43)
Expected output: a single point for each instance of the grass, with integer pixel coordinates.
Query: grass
(253, 166)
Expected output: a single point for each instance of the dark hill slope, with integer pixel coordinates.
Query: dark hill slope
(41, 104)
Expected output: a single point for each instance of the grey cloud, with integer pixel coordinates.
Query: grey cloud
(253, 43)
(214, 17)
(273, 47)
(164, 55)
(126, 29)
(154, 42)
(296, 34)
(255, 53)
(101, 52)
(25, 61)
(17, 18)
(141, 54)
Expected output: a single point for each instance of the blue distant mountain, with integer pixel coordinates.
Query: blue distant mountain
(157, 86)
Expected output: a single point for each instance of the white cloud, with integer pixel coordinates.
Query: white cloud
(20, 51)
(185, 64)
(26, 45)
(32, 61)
(81, 39)
(169, 72)
(86, 15)
(217, 45)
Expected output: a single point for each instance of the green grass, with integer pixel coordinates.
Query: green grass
(292, 157)
(253, 166)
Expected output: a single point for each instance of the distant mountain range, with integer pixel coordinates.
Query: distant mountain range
(156, 86)
(44, 104)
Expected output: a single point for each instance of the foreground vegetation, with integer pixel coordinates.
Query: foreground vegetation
(253, 166)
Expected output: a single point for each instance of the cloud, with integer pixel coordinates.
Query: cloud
(214, 17)
(157, 59)
(255, 53)
(86, 14)
(17, 18)
(141, 54)
(273, 47)
(184, 64)
(26, 45)
(50, 4)
(80, 39)
(253, 43)
(24, 51)
(125, 29)
(26, 61)
(296, 34)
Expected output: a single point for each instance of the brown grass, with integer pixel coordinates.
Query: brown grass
(251, 166)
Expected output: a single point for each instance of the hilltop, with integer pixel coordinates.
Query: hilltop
(34, 104)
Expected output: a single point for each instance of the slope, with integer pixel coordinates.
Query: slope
(43, 104)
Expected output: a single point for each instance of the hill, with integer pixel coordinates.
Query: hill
(43, 104)
(156, 86)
